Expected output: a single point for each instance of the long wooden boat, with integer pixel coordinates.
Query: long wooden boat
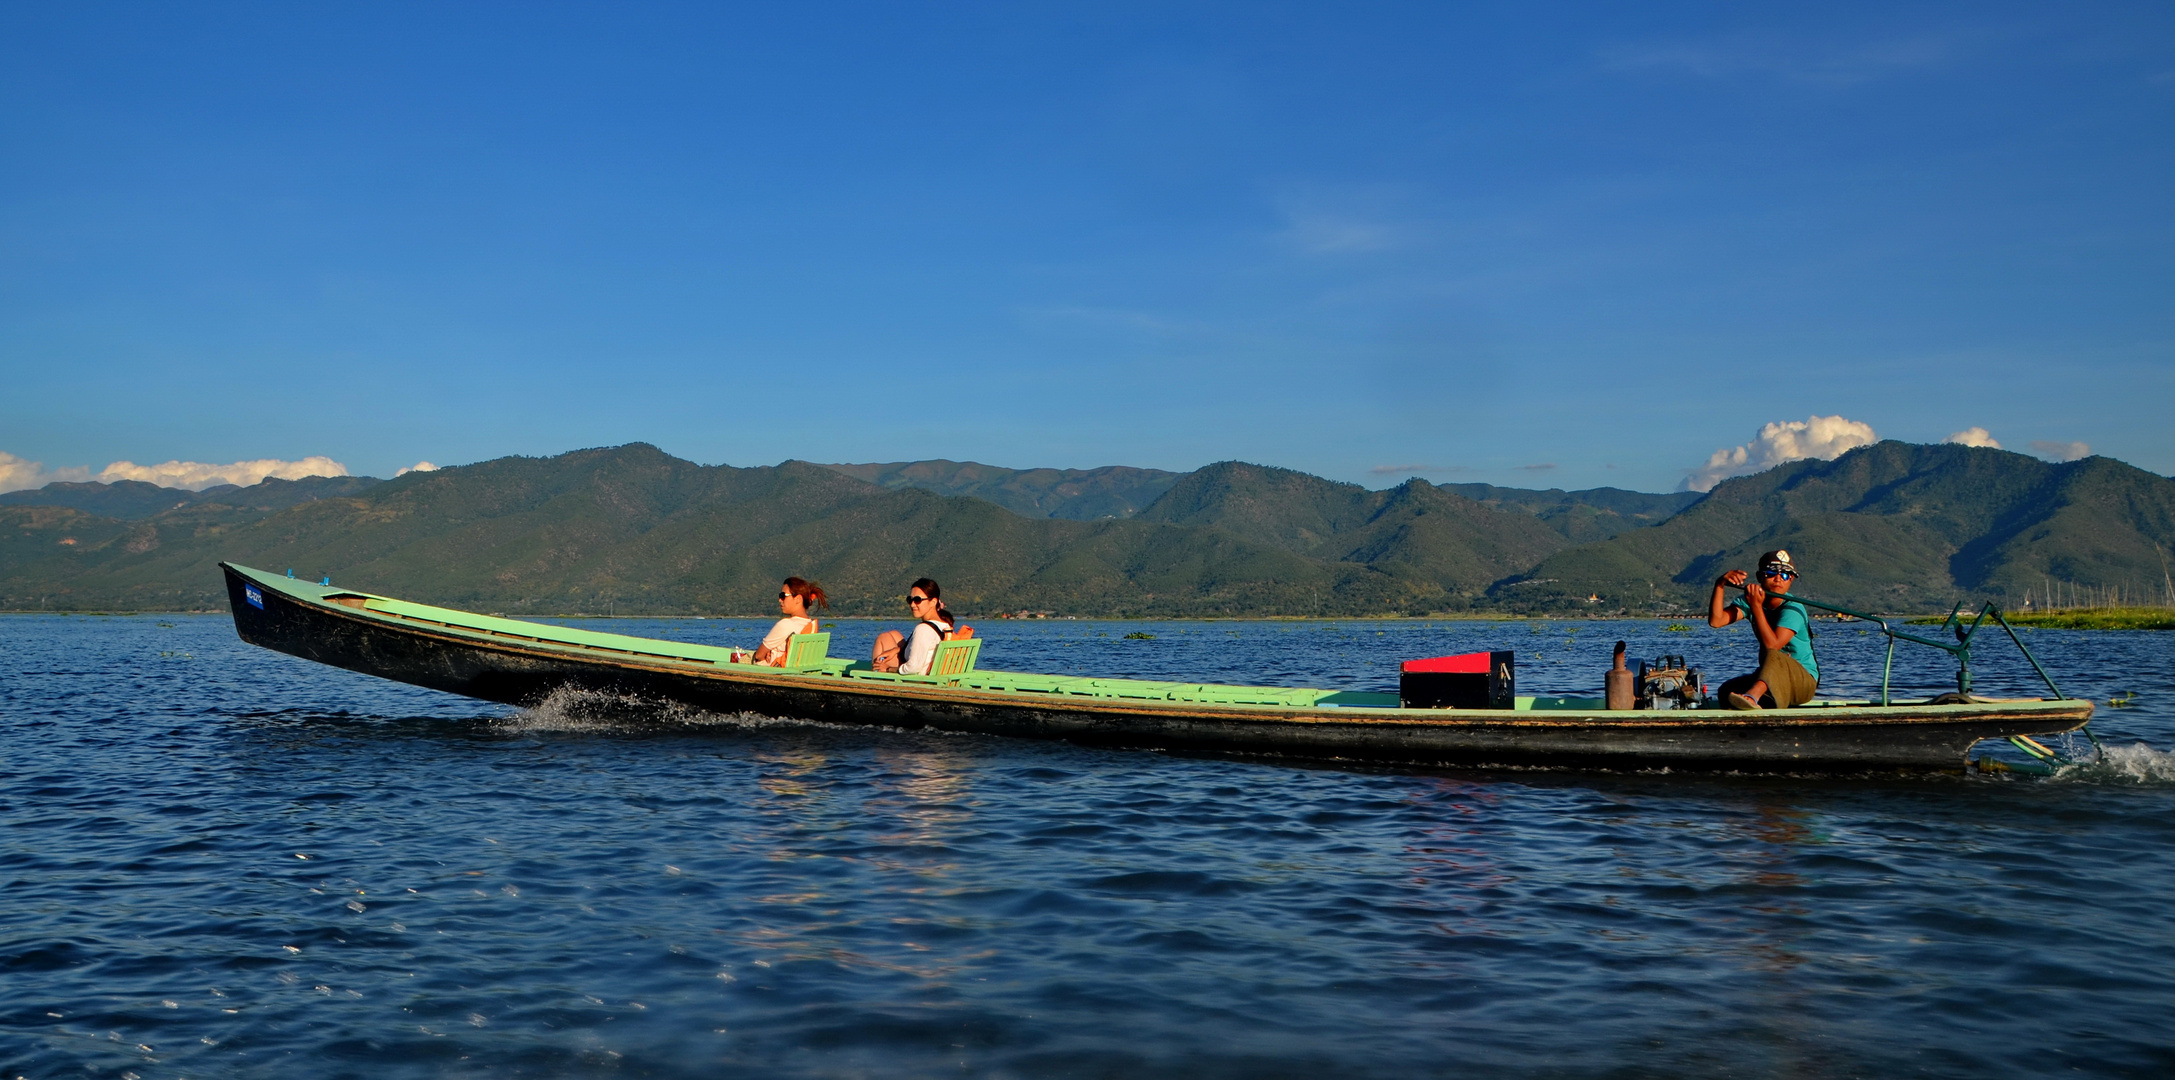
(521, 663)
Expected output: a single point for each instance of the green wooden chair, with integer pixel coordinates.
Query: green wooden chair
(807, 652)
(955, 658)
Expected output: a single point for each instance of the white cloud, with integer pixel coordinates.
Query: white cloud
(2061, 451)
(1823, 437)
(1834, 64)
(1346, 219)
(196, 475)
(1974, 436)
(17, 474)
(1330, 234)
(420, 466)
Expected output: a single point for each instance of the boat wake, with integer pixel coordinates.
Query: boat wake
(571, 708)
(2132, 764)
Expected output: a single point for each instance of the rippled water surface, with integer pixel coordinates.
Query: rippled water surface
(220, 861)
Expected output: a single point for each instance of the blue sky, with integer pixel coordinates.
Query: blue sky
(1531, 245)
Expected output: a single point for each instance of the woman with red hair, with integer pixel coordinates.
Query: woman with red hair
(797, 601)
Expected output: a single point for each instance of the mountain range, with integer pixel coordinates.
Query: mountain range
(1895, 527)
(631, 529)
(1113, 491)
(134, 500)
(1119, 491)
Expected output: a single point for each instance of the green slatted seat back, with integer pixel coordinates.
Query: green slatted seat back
(805, 651)
(955, 658)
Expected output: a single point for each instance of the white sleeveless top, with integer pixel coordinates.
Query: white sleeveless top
(787, 627)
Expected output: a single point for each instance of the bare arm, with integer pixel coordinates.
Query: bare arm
(1719, 613)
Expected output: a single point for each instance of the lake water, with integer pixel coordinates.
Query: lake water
(218, 861)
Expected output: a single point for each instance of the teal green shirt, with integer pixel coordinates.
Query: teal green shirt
(1793, 616)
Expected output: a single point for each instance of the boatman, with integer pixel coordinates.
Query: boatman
(1788, 673)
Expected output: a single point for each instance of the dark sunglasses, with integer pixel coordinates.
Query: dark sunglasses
(912, 599)
(1786, 575)
(785, 596)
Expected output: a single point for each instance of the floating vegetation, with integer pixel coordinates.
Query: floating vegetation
(2113, 618)
(2124, 699)
(1677, 628)
(1140, 635)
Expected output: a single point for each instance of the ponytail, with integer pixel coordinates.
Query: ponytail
(807, 591)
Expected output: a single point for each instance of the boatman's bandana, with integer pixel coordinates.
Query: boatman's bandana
(1778, 560)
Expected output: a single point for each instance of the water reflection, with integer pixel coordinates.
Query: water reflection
(928, 794)
(790, 776)
(1775, 832)
(1453, 856)
(897, 811)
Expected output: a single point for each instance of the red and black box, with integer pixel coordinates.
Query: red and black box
(1481, 680)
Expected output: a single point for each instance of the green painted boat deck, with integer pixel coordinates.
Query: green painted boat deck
(492, 627)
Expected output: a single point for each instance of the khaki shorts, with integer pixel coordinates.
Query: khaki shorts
(1788, 683)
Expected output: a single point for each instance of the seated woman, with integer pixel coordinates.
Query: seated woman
(1788, 673)
(913, 655)
(795, 601)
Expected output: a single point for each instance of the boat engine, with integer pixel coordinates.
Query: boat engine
(1669, 683)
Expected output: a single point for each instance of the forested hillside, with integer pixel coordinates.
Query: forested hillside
(1894, 526)
(1591, 514)
(1113, 491)
(631, 529)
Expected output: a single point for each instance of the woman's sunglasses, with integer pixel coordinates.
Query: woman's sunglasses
(912, 599)
(785, 596)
